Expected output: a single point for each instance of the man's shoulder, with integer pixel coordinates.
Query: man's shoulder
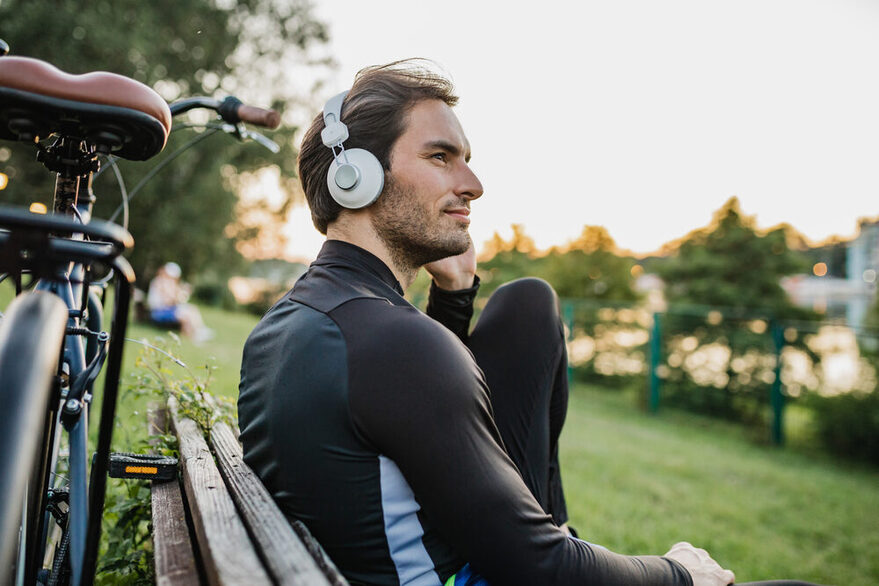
(393, 324)
(325, 290)
(387, 342)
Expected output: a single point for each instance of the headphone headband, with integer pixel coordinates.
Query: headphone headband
(335, 132)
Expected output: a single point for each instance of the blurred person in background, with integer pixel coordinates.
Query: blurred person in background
(167, 301)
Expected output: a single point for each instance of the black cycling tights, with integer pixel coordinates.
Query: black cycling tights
(519, 344)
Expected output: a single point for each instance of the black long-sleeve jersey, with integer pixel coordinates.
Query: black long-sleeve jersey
(371, 422)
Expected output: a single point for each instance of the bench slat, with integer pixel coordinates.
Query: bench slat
(174, 560)
(320, 556)
(225, 547)
(287, 558)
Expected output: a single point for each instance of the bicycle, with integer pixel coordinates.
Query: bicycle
(52, 342)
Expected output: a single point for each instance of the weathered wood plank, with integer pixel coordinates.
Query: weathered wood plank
(288, 560)
(174, 560)
(320, 556)
(226, 550)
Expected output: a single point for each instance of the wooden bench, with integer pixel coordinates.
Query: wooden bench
(219, 524)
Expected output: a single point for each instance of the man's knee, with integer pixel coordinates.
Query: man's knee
(526, 309)
(529, 292)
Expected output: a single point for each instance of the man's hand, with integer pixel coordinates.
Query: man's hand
(704, 570)
(454, 272)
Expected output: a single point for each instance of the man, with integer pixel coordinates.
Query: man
(416, 453)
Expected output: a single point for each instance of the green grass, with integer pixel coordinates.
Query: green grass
(222, 355)
(639, 483)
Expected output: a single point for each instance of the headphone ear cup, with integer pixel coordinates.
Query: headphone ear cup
(368, 186)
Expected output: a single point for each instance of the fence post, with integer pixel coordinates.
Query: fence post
(568, 316)
(655, 359)
(776, 398)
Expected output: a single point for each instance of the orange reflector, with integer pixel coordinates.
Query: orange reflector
(141, 470)
(38, 208)
(4, 181)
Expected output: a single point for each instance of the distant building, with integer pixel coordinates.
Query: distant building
(862, 267)
(846, 298)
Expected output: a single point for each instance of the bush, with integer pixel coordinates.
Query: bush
(215, 294)
(586, 374)
(848, 425)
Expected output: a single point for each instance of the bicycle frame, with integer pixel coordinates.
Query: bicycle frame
(80, 364)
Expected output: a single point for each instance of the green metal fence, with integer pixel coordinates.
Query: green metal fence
(733, 364)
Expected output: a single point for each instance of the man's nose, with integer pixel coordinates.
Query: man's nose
(470, 186)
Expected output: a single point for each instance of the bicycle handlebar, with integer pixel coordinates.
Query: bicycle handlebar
(231, 110)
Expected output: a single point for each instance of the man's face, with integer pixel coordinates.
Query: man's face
(423, 213)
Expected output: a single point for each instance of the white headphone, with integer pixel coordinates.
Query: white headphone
(355, 177)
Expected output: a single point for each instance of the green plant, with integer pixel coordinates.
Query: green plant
(126, 555)
(126, 547)
(155, 377)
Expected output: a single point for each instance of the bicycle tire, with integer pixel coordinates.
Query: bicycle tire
(31, 341)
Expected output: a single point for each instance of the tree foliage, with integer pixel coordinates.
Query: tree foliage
(588, 267)
(505, 260)
(725, 300)
(730, 265)
(254, 49)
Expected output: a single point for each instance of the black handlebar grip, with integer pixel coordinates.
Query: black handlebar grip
(232, 110)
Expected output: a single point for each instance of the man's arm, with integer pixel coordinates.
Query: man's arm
(431, 415)
(453, 309)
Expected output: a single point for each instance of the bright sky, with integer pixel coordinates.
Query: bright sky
(642, 116)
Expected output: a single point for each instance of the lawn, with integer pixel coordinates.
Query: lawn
(639, 483)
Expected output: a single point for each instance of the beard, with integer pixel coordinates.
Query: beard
(412, 232)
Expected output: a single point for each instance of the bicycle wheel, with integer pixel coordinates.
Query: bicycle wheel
(31, 340)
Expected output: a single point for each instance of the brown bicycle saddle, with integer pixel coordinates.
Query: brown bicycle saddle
(116, 114)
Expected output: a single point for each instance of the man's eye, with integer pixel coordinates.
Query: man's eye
(439, 156)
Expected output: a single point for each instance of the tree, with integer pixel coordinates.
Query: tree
(596, 284)
(724, 295)
(589, 267)
(730, 265)
(252, 48)
(504, 260)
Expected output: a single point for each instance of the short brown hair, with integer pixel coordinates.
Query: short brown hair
(375, 111)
